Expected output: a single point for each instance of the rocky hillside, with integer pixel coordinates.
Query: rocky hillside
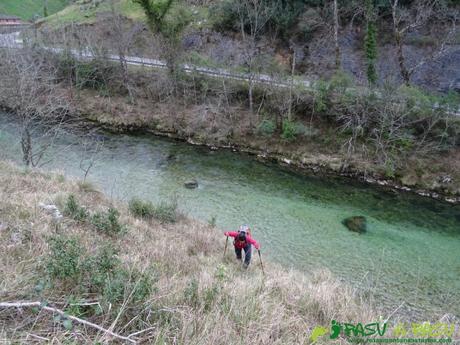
(430, 45)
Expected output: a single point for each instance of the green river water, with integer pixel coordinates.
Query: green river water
(410, 253)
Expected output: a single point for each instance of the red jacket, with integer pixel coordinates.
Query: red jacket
(241, 245)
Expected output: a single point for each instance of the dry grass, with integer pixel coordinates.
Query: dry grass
(199, 297)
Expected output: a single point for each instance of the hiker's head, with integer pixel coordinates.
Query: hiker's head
(242, 236)
(244, 228)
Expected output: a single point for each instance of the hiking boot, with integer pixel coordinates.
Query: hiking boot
(245, 266)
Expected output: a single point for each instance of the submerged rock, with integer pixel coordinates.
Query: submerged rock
(191, 184)
(356, 224)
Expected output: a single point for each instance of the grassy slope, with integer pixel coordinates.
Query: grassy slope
(228, 305)
(27, 9)
(78, 14)
(81, 15)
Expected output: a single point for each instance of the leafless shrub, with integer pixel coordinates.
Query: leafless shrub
(29, 88)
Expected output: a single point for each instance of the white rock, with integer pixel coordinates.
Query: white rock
(287, 161)
(51, 209)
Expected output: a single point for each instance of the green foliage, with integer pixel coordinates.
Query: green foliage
(164, 18)
(141, 209)
(284, 15)
(210, 296)
(292, 130)
(64, 258)
(191, 294)
(108, 277)
(165, 212)
(451, 99)
(74, 308)
(73, 210)
(370, 44)
(321, 91)
(266, 128)
(169, 22)
(155, 12)
(107, 222)
(93, 74)
(224, 15)
(96, 74)
(279, 16)
(101, 272)
(221, 273)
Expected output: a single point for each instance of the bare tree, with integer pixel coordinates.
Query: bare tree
(388, 123)
(91, 150)
(124, 36)
(412, 18)
(253, 16)
(29, 88)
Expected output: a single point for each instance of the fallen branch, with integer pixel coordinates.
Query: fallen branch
(70, 317)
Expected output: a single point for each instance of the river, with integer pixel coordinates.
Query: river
(410, 253)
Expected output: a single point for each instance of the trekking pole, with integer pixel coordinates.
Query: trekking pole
(261, 264)
(225, 249)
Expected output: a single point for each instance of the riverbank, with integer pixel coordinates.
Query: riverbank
(176, 284)
(415, 148)
(435, 176)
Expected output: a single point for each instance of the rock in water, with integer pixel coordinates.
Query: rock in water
(192, 184)
(356, 224)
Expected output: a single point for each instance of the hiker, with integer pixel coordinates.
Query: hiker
(243, 240)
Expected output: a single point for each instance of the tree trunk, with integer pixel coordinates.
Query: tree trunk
(251, 103)
(336, 36)
(291, 85)
(401, 60)
(26, 145)
(399, 44)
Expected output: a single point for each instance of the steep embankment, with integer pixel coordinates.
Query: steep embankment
(167, 281)
(322, 149)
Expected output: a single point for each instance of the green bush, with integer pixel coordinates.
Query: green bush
(289, 130)
(99, 266)
(107, 222)
(114, 286)
(73, 210)
(142, 209)
(165, 212)
(266, 128)
(64, 258)
(120, 284)
(293, 130)
(321, 96)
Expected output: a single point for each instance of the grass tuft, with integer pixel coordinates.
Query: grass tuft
(165, 211)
